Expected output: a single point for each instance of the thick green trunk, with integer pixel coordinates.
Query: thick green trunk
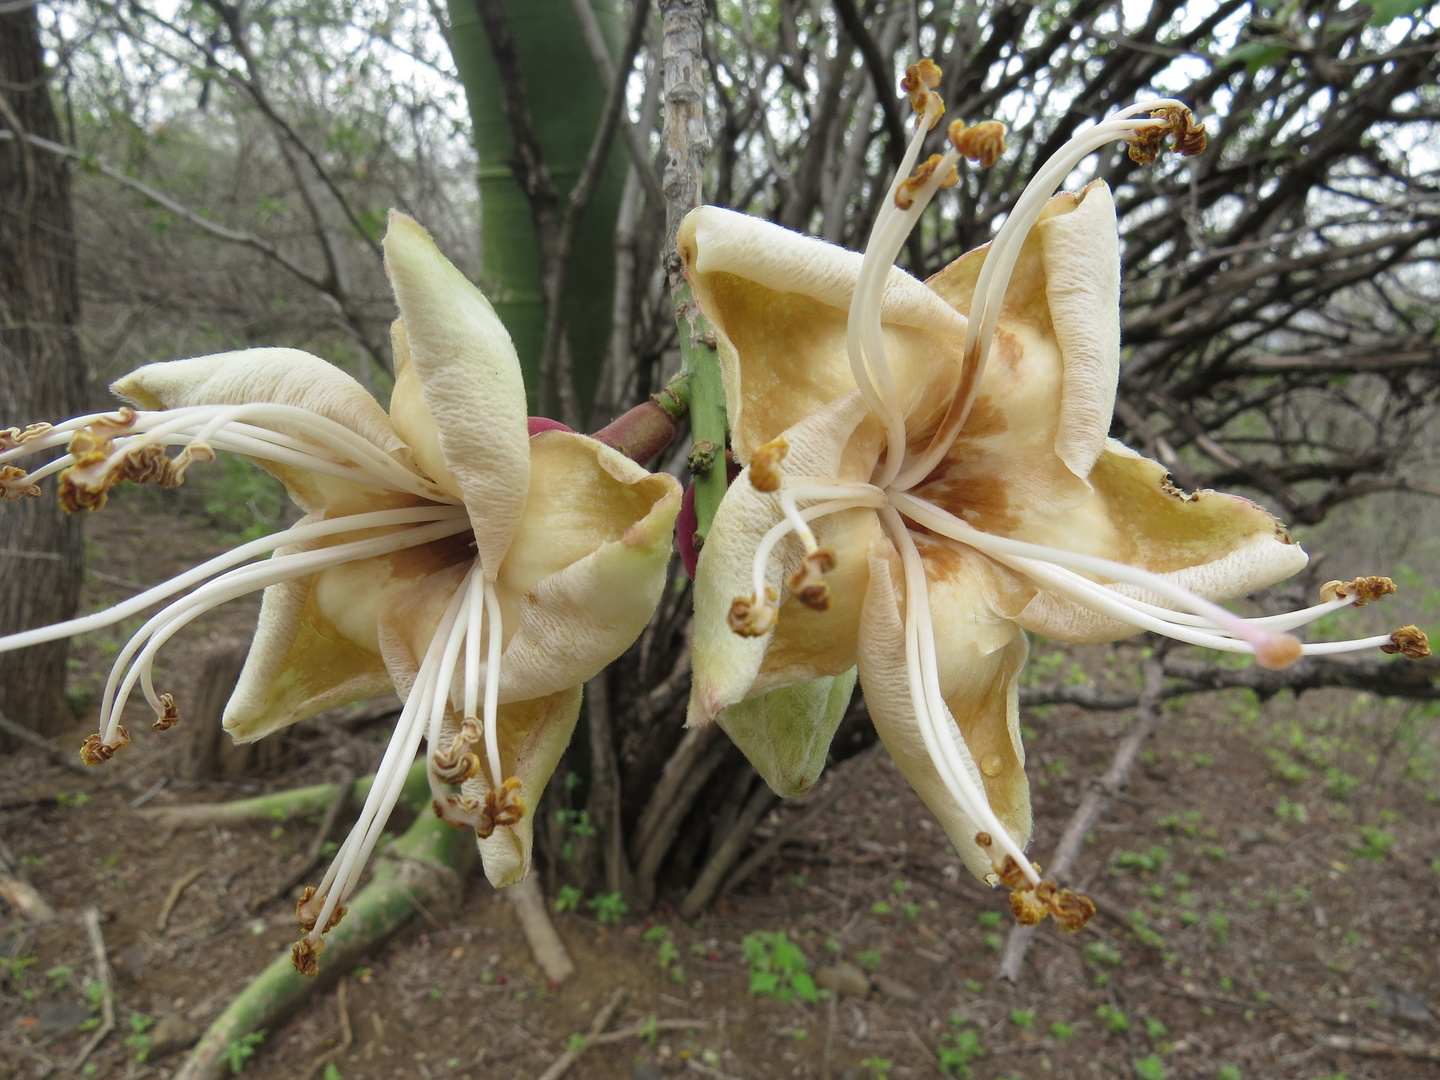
(566, 99)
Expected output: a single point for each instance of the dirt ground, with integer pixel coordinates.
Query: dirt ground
(1269, 892)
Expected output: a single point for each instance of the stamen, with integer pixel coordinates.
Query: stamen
(1410, 642)
(10, 438)
(169, 714)
(444, 679)
(749, 617)
(17, 484)
(919, 84)
(905, 194)
(765, 474)
(96, 751)
(983, 143)
(503, 807)
(1361, 591)
(492, 682)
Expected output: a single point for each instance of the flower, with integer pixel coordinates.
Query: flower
(929, 475)
(441, 544)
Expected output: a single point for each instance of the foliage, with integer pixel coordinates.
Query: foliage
(778, 967)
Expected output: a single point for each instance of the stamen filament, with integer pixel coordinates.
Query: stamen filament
(785, 526)
(445, 678)
(492, 685)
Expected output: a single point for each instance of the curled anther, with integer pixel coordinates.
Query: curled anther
(459, 810)
(10, 438)
(1187, 137)
(95, 751)
(308, 908)
(169, 714)
(911, 185)
(1365, 590)
(765, 474)
(1410, 642)
(1072, 910)
(919, 85)
(305, 956)
(808, 585)
(503, 807)
(15, 485)
(99, 466)
(1027, 907)
(751, 617)
(454, 769)
(983, 143)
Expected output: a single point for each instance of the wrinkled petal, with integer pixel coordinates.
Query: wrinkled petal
(981, 655)
(786, 733)
(281, 376)
(533, 735)
(835, 442)
(1217, 546)
(588, 564)
(470, 396)
(779, 304)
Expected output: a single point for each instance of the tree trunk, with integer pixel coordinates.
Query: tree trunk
(41, 373)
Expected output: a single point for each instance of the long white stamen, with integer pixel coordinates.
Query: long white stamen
(474, 616)
(296, 534)
(238, 583)
(445, 677)
(999, 264)
(947, 524)
(937, 725)
(785, 526)
(492, 685)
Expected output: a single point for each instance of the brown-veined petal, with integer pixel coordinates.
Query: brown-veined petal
(471, 395)
(980, 657)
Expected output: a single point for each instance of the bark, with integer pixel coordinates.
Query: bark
(42, 376)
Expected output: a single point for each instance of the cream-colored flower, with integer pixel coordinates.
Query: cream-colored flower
(440, 544)
(930, 475)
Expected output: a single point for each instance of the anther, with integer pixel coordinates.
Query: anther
(911, 185)
(1410, 642)
(503, 807)
(1187, 137)
(808, 584)
(1072, 910)
(308, 908)
(169, 714)
(1365, 590)
(95, 751)
(919, 83)
(750, 617)
(15, 485)
(1027, 907)
(1278, 651)
(765, 474)
(305, 956)
(10, 438)
(982, 144)
(459, 810)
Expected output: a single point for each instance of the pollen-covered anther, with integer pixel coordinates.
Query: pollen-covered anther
(15, 485)
(765, 474)
(503, 807)
(1365, 590)
(95, 751)
(919, 84)
(1410, 642)
(305, 956)
(99, 466)
(1027, 907)
(453, 769)
(1187, 137)
(910, 186)
(1072, 910)
(169, 714)
(808, 584)
(751, 617)
(10, 438)
(983, 143)
(1012, 876)
(1278, 651)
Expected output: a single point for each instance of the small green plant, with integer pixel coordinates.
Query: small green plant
(243, 1049)
(1339, 784)
(1022, 1018)
(649, 1031)
(869, 959)
(990, 920)
(1374, 843)
(609, 908)
(1219, 930)
(576, 1044)
(1294, 812)
(1098, 952)
(1152, 858)
(1061, 1030)
(880, 907)
(333, 1073)
(1227, 1072)
(59, 976)
(958, 1049)
(778, 967)
(1291, 772)
(568, 899)
(70, 799)
(137, 1040)
(879, 1066)
(911, 911)
(1116, 1022)
(1155, 1029)
(576, 823)
(1151, 1068)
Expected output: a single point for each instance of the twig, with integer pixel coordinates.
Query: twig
(1355, 1044)
(317, 845)
(91, 918)
(636, 1029)
(795, 826)
(173, 897)
(561, 1065)
(149, 793)
(65, 759)
(1147, 715)
(347, 1035)
(19, 893)
(539, 931)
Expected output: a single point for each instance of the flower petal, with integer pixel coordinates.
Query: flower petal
(280, 376)
(471, 393)
(533, 735)
(588, 564)
(786, 732)
(779, 302)
(980, 657)
(1218, 546)
(837, 441)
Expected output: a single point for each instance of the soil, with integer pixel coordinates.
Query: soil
(1269, 892)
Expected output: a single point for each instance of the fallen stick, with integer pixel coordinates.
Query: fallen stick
(23, 897)
(173, 897)
(1355, 1044)
(317, 846)
(66, 759)
(91, 918)
(420, 869)
(1147, 715)
(545, 943)
(561, 1065)
(283, 805)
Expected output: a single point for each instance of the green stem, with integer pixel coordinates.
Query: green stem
(415, 872)
(707, 407)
